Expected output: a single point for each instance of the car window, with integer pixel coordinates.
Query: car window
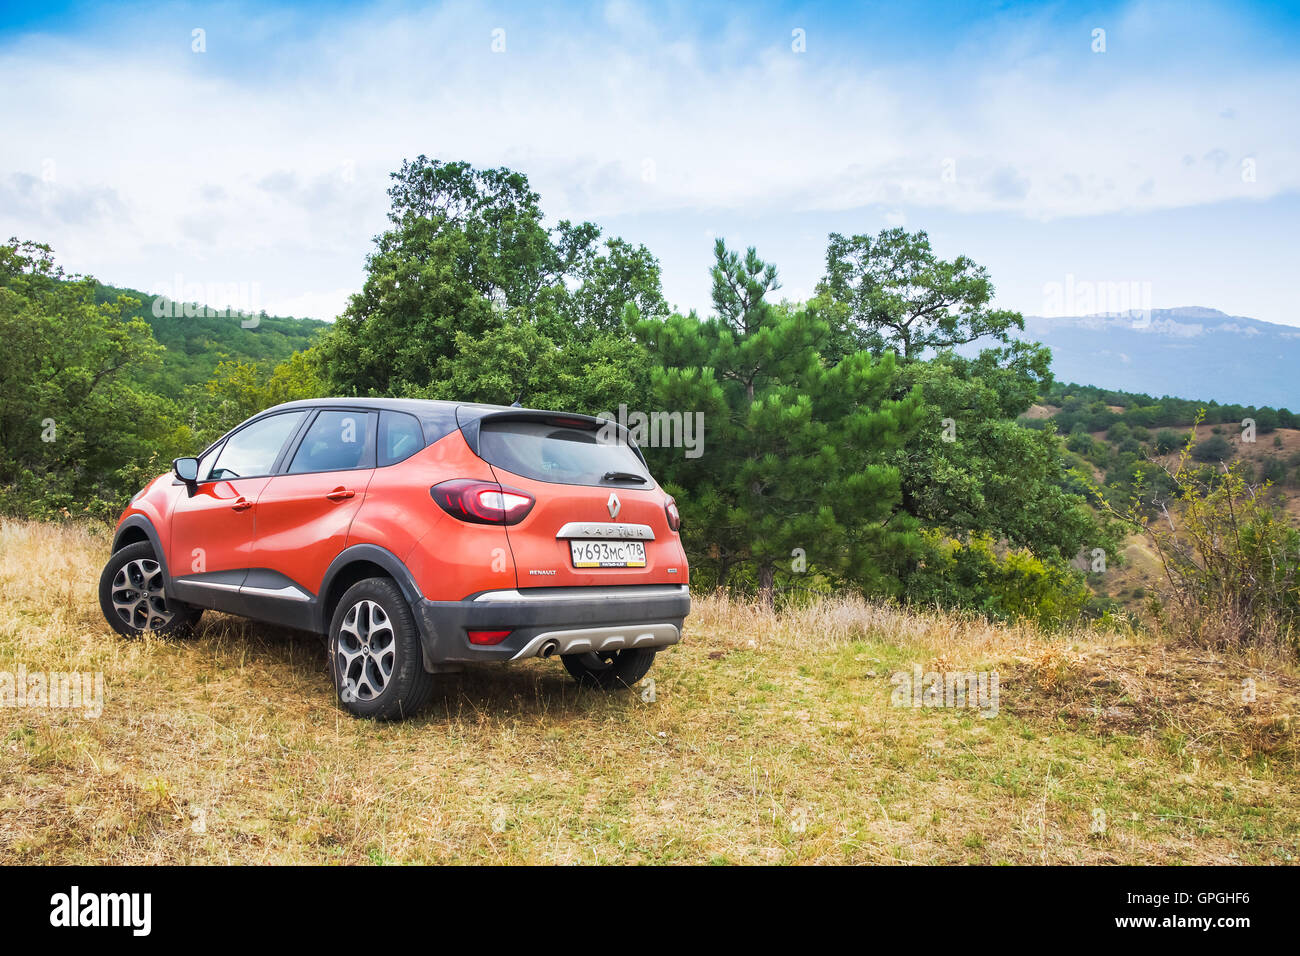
(252, 450)
(208, 459)
(548, 453)
(400, 437)
(336, 441)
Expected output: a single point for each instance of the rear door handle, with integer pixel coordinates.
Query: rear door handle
(340, 494)
(241, 504)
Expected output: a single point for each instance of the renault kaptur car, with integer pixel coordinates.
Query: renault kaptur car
(417, 536)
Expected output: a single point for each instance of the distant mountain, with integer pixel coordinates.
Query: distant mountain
(1188, 352)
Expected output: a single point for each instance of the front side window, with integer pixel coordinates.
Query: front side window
(336, 441)
(251, 451)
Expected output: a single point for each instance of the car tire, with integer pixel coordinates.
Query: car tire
(611, 670)
(376, 659)
(133, 598)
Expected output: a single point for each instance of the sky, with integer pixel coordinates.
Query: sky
(244, 149)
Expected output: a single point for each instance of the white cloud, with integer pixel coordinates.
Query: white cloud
(277, 170)
(311, 304)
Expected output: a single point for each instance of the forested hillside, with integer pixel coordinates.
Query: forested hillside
(893, 435)
(195, 345)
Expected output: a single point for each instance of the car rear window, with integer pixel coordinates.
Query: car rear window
(400, 437)
(557, 453)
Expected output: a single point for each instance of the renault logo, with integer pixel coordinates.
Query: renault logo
(614, 505)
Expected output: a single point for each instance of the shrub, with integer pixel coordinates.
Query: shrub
(1079, 442)
(1167, 440)
(1231, 561)
(1014, 586)
(1214, 448)
(1272, 469)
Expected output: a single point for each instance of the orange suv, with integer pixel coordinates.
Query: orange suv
(416, 535)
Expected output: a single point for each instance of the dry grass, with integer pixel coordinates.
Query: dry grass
(771, 738)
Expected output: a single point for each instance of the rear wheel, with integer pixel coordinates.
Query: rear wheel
(610, 670)
(375, 654)
(133, 599)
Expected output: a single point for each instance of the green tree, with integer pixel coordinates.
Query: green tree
(620, 276)
(972, 469)
(468, 273)
(794, 465)
(518, 362)
(893, 292)
(71, 417)
(239, 390)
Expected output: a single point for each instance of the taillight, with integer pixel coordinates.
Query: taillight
(482, 502)
(674, 519)
(487, 637)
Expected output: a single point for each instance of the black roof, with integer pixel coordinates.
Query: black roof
(437, 418)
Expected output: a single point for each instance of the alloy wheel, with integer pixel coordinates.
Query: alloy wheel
(367, 650)
(138, 596)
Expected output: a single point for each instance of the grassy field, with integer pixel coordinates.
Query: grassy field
(769, 738)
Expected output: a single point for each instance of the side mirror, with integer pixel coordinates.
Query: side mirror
(186, 469)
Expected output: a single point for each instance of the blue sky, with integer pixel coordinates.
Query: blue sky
(1170, 159)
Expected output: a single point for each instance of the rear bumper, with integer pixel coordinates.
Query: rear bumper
(553, 620)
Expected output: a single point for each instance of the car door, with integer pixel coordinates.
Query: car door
(212, 530)
(304, 512)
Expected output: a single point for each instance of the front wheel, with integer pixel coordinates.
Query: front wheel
(610, 670)
(133, 599)
(375, 653)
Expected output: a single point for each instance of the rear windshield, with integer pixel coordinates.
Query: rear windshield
(571, 456)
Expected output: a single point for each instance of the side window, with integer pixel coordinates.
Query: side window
(336, 441)
(400, 437)
(251, 451)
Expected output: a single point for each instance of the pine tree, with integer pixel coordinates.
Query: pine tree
(792, 469)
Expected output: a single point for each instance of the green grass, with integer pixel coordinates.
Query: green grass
(772, 739)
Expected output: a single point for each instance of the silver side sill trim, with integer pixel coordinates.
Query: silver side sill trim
(286, 593)
(629, 592)
(606, 529)
(588, 639)
(208, 585)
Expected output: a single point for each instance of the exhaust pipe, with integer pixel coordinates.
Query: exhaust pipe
(548, 649)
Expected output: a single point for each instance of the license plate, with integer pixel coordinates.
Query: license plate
(608, 554)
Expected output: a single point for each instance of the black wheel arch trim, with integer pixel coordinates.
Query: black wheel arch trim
(141, 523)
(373, 554)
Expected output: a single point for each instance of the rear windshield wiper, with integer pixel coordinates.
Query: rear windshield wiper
(623, 476)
